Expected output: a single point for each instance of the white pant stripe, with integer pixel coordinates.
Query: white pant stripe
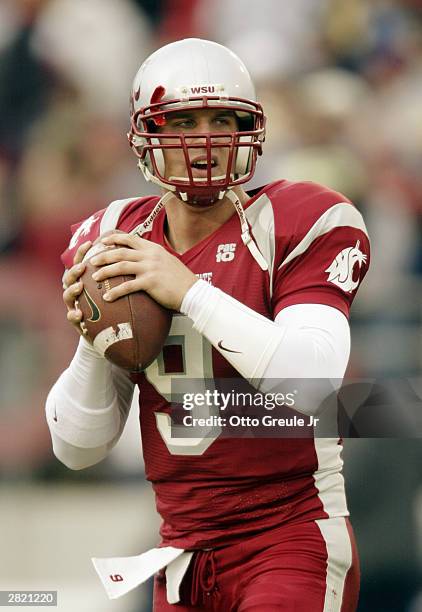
(339, 551)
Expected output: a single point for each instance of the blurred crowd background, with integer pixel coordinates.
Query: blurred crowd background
(341, 84)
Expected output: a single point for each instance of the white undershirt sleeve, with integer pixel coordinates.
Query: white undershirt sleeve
(87, 408)
(244, 337)
(306, 341)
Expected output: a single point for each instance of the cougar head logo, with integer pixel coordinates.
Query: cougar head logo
(340, 272)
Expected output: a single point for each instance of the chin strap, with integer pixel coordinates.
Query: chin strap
(247, 239)
(246, 234)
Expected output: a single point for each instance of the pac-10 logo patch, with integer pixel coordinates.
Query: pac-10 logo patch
(225, 252)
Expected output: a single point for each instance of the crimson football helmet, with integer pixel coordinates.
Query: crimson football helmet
(193, 74)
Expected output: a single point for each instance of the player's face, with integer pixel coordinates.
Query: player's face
(192, 123)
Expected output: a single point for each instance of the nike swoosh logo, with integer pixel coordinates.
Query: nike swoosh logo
(220, 345)
(95, 311)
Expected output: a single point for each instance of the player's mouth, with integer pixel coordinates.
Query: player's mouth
(200, 166)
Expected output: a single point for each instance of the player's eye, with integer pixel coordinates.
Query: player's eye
(183, 123)
(225, 121)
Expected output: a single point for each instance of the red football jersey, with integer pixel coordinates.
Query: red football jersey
(317, 248)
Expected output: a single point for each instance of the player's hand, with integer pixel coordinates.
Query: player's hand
(155, 270)
(73, 286)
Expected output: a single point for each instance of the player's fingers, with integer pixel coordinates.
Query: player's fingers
(71, 293)
(81, 252)
(74, 316)
(73, 274)
(129, 240)
(122, 289)
(116, 269)
(110, 256)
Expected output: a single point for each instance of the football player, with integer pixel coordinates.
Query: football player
(261, 283)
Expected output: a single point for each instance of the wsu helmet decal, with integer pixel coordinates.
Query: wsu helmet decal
(340, 272)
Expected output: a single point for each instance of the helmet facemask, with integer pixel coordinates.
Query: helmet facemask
(148, 138)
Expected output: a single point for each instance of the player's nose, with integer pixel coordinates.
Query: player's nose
(198, 137)
(203, 126)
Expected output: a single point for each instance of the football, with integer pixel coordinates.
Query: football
(129, 331)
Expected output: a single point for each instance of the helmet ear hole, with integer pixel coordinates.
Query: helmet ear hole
(243, 157)
(245, 122)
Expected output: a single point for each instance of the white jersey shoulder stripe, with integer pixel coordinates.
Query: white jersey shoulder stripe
(339, 215)
(260, 216)
(112, 214)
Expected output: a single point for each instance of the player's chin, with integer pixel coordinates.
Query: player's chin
(200, 205)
